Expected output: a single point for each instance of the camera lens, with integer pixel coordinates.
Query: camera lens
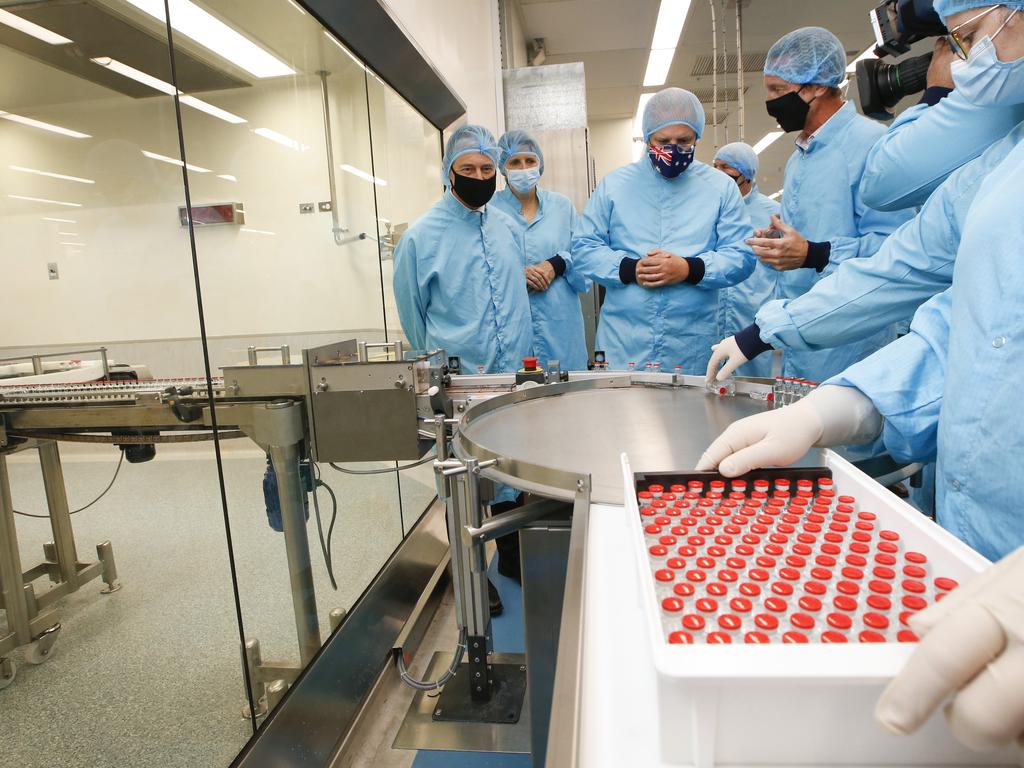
(881, 86)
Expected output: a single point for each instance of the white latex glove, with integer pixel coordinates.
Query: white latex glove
(828, 416)
(726, 350)
(972, 649)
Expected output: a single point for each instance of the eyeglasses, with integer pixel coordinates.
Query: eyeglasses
(960, 48)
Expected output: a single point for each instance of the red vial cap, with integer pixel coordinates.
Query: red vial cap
(775, 604)
(855, 574)
(778, 538)
(812, 527)
(833, 537)
(736, 563)
(889, 535)
(765, 562)
(658, 551)
(795, 561)
(730, 622)
(794, 637)
(876, 620)
(652, 529)
(879, 603)
(696, 541)
(802, 621)
(847, 500)
(884, 559)
(677, 488)
(756, 638)
(706, 605)
(750, 590)
(696, 575)
(906, 636)
(916, 557)
(680, 638)
(839, 527)
(687, 550)
(857, 561)
(680, 530)
(717, 589)
(647, 512)
(830, 549)
(695, 485)
(826, 561)
(863, 526)
(744, 549)
(913, 586)
(833, 637)
(809, 603)
(821, 574)
(815, 588)
(672, 604)
(845, 603)
(766, 621)
(656, 487)
(914, 571)
(668, 540)
(665, 574)
(723, 540)
(705, 562)
(789, 574)
(741, 605)
(839, 620)
(750, 538)
(782, 588)
(645, 495)
(880, 587)
(728, 576)
(905, 617)
(676, 563)
(946, 584)
(883, 572)
(914, 603)
(859, 547)
(845, 509)
(870, 636)
(716, 551)
(888, 546)
(719, 638)
(848, 587)
(759, 574)
(774, 550)
(693, 621)
(802, 550)
(706, 530)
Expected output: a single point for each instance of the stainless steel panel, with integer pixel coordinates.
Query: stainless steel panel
(371, 425)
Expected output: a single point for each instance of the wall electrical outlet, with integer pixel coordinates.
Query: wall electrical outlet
(307, 207)
(51, 270)
(325, 206)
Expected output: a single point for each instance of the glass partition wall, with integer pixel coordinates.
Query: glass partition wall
(302, 170)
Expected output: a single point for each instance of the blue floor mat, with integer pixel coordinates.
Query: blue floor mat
(508, 634)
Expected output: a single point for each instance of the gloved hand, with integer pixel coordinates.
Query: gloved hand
(828, 416)
(726, 350)
(972, 648)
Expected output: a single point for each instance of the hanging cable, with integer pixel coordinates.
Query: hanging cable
(385, 470)
(325, 546)
(110, 485)
(432, 685)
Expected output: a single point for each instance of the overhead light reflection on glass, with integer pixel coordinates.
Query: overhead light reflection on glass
(29, 28)
(51, 175)
(226, 177)
(43, 126)
(61, 221)
(45, 200)
(256, 231)
(767, 140)
(281, 139)
(175, 161)
(363, 175)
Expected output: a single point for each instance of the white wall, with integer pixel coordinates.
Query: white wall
(611, 144)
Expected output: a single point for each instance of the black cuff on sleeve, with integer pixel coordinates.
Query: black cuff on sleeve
(558, 263)
(934, 95)
(818, 255)
(627, 270)
(696, 270)
(749, 342)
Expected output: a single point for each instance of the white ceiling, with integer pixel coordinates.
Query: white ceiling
(613, 37)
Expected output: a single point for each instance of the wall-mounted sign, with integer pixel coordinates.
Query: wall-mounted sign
(218, 213)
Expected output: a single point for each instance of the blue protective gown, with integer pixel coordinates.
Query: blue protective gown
(698, 215)
(822, 201)
(925, 144)
(950, 388)
(557, 314)
(738, 304)
(459, 286)
(864, 296)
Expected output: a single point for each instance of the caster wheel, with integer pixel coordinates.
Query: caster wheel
(7, 672)
(41, 649)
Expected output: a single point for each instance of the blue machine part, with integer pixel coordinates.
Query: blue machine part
(273, 499)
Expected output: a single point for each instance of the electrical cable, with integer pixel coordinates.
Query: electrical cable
(386, 470)
(110, 485)
(432, 685)
(325, 547)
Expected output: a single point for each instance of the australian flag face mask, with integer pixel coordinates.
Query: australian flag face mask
(671, 159)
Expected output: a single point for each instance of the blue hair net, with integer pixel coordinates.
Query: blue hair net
(673, 106)
(518, 143)
(806, 56)
(741, 157)
(946, 8)
(467, 139)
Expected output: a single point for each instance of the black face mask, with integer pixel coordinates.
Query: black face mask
(474, 192)
(790, 111)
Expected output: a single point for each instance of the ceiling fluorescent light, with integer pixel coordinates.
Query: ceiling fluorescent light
(164, 87)
(68, 234)
(669, 27)
(43, 126)
(226, 177)
(775, 195)
(363, 175)
(74, 245)
(44, 200)
(26, 26)
(281, 139)
(212, 33)
(868, 54)
(658, 65)
(256, 231)
(175, 161)
(78, 179)
(62, 221)
(766, 141)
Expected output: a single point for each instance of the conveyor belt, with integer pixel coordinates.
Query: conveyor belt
(109, 392)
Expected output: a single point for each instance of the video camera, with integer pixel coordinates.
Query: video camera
(897, 25)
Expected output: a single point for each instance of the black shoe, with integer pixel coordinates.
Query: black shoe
(494, 599)
(510, 567)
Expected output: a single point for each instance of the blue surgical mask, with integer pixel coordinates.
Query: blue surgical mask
(522, 181)
(671, 159)
(985, 81)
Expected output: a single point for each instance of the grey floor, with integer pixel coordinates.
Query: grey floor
(151, 674)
